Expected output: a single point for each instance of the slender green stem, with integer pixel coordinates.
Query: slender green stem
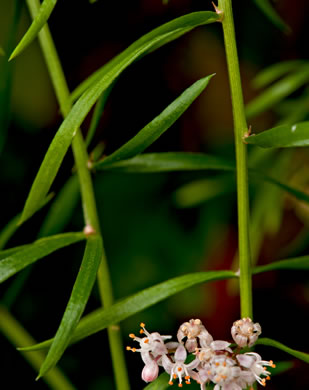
(87, 192)
(19, 337)
(240, 129)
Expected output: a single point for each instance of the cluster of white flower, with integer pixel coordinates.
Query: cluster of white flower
(213, 361)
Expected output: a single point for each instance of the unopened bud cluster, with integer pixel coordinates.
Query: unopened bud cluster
(209, 361)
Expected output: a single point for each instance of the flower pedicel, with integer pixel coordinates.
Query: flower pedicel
(213, 361)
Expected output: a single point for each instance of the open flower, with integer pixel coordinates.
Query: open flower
(245, 332)
(224, 372)
(192, 330)
(153, 342)
(178, 368)
(253, 362)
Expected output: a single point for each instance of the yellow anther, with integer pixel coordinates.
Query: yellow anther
(188, 382)
(272, 364)
(224, 364)
(187, 377)
(141, 331)
(170, 383)
(128, 348)
(146, 341)
(217, 364)
(179, 384)
(142, 325)
(132, 335)
(263, 383)
(179, 369)
(175, 376)
(268, 378)
(133, 349)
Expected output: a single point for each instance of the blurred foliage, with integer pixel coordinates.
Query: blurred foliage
(155, 226)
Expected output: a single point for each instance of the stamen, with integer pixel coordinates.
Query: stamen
(224, 364)
(217, 364)
(175, 376)
(179, 369)
(146, 341)
(142, 325)
(188, 382)
(272, 364)
(268, 378)
(187, 377)
(263, 382)
(170, 383)
(128, 348)
(132, 335)
(141, 331)
(133, 349)
(179, 384)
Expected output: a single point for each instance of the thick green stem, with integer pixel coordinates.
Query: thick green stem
(240, 129)
(87, 192)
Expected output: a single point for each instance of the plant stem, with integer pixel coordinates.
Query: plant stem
(87, 192)
(17, 335)
(240, 129)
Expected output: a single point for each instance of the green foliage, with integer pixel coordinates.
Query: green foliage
(301, 263)
(283, 136)
(77, 302)
(102, 318)
(107, 75)
(46, 9)
(153, 130)
(273, 343)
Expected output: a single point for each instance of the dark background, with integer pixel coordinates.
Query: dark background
(148, 236)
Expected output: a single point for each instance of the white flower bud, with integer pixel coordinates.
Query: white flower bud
(245, 332)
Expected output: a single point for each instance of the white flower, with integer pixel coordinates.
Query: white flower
(153, 342)
(178, 368)
(245, 332)
(256, 366)
(206, 353)
(192, 330)
(224, 372)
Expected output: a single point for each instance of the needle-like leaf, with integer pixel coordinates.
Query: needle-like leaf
(269, 11)
(45, 10)
(77, 302)
(284, 136)
(102, 318)
(273, 343)
(153, 130)
(71, 123)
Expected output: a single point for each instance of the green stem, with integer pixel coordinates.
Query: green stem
(87, 192)
(17, 335)
(240, 129)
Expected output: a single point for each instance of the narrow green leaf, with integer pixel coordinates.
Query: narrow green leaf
(167, 162)
(269, 11)
(46, 9)
(71, 123)
(153, 130)
(102, 318)
(7, 252)
(272, 343)
(77, 302)
(150, 42)
(275, 72)
(2, 52)
(161, 383)
(281, 367)
(180, 161)
(277, 92)
(293, 263)
(39, 249)
(284, 136)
